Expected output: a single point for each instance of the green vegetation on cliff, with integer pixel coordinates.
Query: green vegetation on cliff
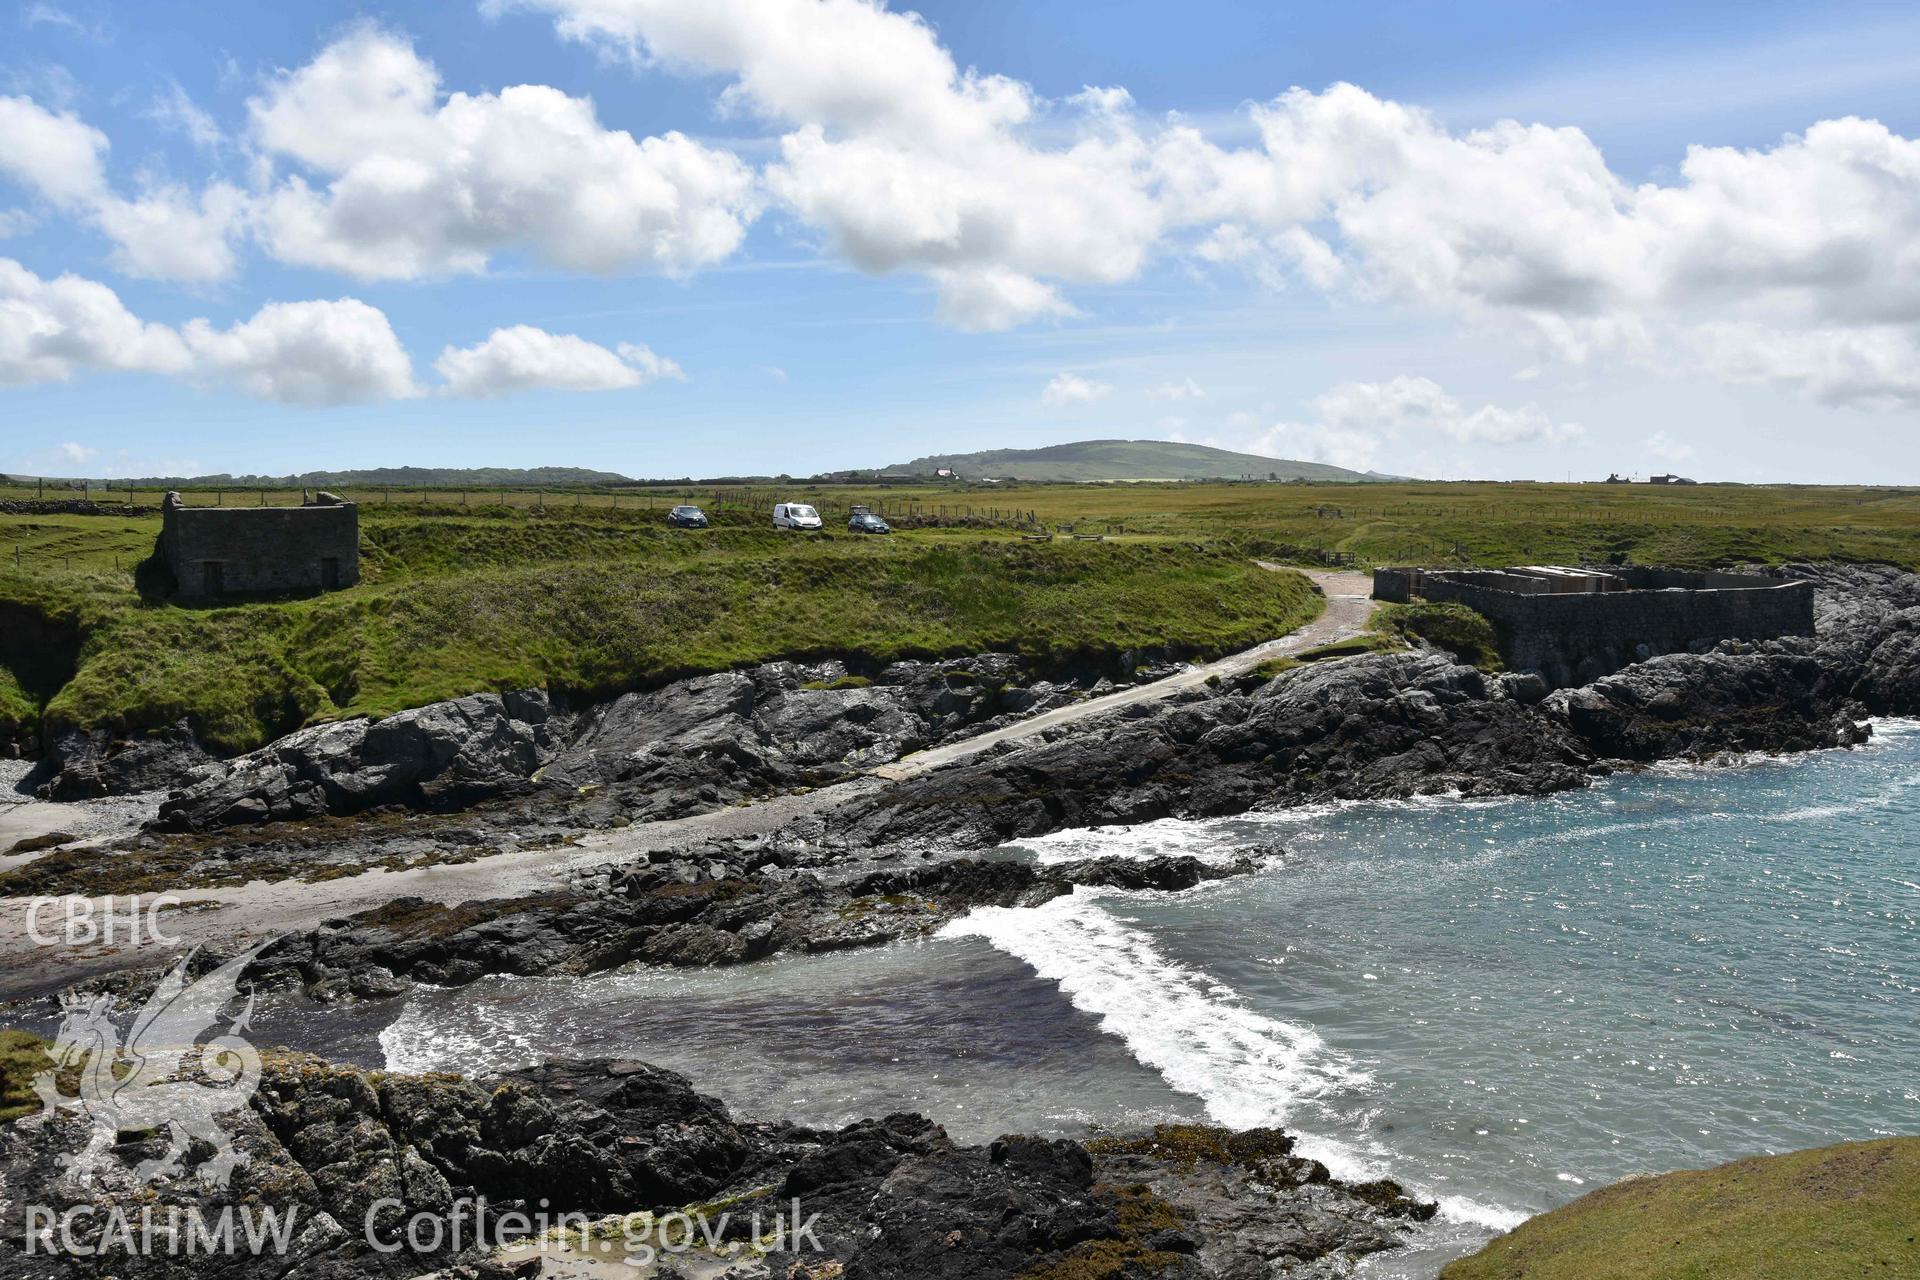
(1461, 631)
(1845, 1211)
(452, 606)
(22, 1057)
(591, 592)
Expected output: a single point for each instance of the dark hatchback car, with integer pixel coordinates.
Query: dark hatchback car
(864, 521)
(684, 517)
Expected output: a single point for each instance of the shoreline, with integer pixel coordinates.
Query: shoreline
(877, 859)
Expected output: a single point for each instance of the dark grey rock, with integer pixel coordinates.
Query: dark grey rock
(345, 1153)
(442, 756)
(84, 765)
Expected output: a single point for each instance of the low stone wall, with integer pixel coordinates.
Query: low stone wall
(1573, 638)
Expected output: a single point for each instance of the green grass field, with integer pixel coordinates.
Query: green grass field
(1380, 523)
(588, 591)
(1845, 1211)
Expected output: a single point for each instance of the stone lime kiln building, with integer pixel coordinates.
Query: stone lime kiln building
(1576, 625)
(228, 551)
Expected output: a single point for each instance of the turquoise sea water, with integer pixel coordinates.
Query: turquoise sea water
(1502, 1004)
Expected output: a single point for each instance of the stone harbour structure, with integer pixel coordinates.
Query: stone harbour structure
(227, 551)
(1573, 626)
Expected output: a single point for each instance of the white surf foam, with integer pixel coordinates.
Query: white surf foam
(480, 1039)
(1248, 1069)
(1474, 1213)
(1169, 837)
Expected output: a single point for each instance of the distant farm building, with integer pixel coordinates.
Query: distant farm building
(1616, 478)
(229, 551)
(1573, 626)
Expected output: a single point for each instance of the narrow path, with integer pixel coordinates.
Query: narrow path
(1349, 601)
(261, 909)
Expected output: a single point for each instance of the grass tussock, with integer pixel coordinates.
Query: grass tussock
(1835, 1212)
(22, 1057)
(1460, 630)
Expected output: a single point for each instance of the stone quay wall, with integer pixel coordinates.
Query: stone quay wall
(1571, 636)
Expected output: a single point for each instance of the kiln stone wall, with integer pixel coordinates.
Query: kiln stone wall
(1572, 637)
(252, 550)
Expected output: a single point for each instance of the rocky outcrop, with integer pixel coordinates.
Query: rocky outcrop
(1383, 725)
(1867, 618)
(83, 764)
(692, 745)
(1737, 698)
(442, 756)
(1379, 726)
(689, 912)
(717, 739)
(352, 1159)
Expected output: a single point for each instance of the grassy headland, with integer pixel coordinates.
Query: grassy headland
(1850, 1210)
(594, 603)
(586, 590)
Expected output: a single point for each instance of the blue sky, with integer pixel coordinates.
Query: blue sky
(940, 243)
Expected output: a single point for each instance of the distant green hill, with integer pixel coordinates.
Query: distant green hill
(404, 478)
(1088, 460)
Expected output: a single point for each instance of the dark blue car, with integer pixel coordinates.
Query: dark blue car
(687, 517)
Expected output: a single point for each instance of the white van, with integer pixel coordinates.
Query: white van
(795, 515)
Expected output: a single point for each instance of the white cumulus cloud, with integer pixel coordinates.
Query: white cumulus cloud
(312, 353)
(1791, 265)
(523, 358)
(1356, 424)
(1665, 447)
(902, 160)
(1185, 389)
(50, 328)
(1421, 403)
(166, 233)
(406, 181)
(299, 352)
(1312, 442)
(1071, 389)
